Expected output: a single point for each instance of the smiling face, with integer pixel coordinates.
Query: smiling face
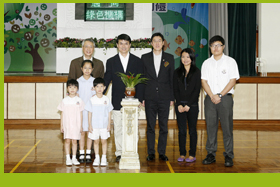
(87, 69)
(72, 90)
(45, 42)
(123, 47)
(186, 59)
(157, 44)
(88, 49)
(15, 28)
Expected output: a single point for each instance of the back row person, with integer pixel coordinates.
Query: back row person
(85, 69)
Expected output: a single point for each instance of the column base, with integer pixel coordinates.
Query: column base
(129, 162)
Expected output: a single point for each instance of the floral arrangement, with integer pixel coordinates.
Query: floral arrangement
(101, 43)
(131, 81)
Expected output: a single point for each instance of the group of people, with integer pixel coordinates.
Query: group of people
(89, 110)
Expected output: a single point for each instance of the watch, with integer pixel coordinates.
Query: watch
(220, 95)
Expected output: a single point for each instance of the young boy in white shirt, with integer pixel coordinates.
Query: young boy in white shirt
(99, 108)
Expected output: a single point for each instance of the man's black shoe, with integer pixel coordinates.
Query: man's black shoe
(228, 161)
(163, 157)
(118, 158)
(151, 157)
(209, 159)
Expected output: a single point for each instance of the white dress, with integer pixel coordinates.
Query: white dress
(71, 119)
(85, 93)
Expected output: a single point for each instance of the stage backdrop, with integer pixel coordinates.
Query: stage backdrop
(183, 25)
(29, 31)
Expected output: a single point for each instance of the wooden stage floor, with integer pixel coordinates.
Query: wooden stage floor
(39, 149)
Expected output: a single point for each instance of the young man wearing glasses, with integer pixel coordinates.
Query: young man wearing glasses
(218, 77)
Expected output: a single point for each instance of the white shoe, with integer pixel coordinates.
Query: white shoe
(75, 162)
(96, 162)
(103, 161)
(68, 162)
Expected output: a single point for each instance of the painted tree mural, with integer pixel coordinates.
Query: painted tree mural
(29, 31)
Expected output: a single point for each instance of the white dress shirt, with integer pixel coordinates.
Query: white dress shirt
(124, 61)
(219, 72)
(157, 61)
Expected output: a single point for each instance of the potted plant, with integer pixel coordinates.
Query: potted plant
(130, 82)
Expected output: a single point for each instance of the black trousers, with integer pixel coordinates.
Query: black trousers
(152, 109)
(183, 119)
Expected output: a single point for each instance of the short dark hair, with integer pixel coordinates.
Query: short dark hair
(157, 34)
(124, 37)
(97, 81)
(216, 38)
(72, 82)
(87, 61)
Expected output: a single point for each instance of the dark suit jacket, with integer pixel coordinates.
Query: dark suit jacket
(75, 71)
(162, 85)
(113, 66)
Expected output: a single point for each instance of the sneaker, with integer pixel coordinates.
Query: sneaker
(88, 158)
(103, 161)
(75, 162)
(96, 161)
(210, 158)
(68, 162)
(228, 161)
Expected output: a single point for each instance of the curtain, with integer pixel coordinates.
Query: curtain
(218, 21)
(242, 36)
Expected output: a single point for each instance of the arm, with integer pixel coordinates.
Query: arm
(61, 123)
(109, 122)
(145, 75)
(89, 121)
(172, 63)
(81, 122)
(214, 98)
(176, 91)
(195, 94)
(72, 71)
(228, 87)
(108, 75)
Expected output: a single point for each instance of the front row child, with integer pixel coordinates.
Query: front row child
(71, 108)
(99, 108)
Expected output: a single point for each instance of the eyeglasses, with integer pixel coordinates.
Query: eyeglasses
(217, 45)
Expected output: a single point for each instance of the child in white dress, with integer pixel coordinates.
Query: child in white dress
(85, 92)
(99, 107)
(71, 109)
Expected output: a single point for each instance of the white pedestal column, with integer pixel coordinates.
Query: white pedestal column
(130, 157)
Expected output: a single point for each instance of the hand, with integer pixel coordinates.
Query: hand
(143, 103)
(215, 99)
(186, 108)
(93, 95)
(61, 129)
(109, 128)
(171, 103)
(180, 108)
(90, 128)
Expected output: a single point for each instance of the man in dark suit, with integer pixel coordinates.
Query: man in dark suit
(123, 62)
(75, 71)
(158, 96)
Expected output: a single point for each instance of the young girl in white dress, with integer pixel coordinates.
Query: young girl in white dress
(99, 107)
(85, 92)
(71, 108)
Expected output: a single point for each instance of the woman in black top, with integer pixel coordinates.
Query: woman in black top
(187, 84)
